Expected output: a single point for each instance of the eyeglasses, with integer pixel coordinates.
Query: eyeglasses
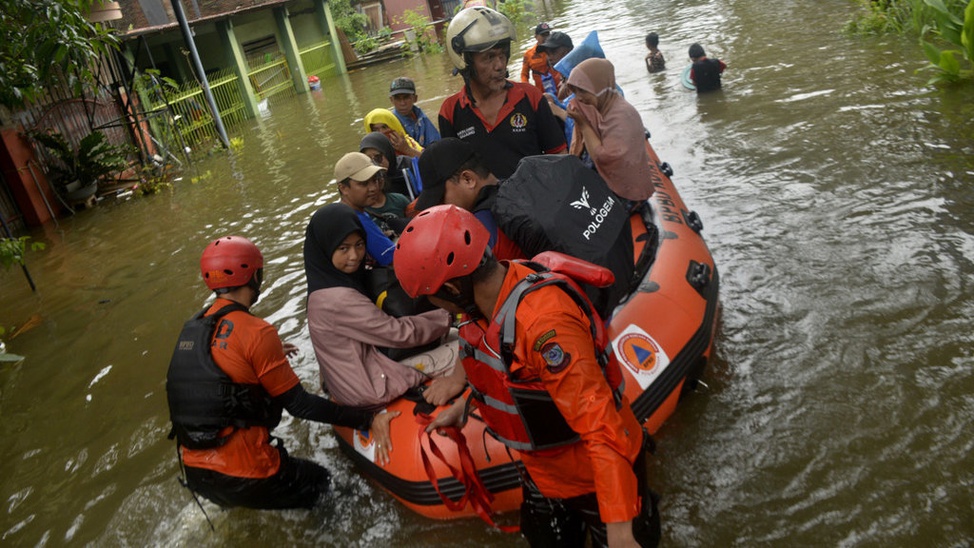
(376, 158)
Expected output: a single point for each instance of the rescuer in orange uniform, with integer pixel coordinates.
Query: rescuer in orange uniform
(548, 389)
(228, 382)
(535, 63)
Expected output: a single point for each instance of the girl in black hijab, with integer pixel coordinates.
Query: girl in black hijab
(329, 227)
(348, 329)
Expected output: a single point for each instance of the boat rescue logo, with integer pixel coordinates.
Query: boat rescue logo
(598, 215)
(364, 444)
(640, 354)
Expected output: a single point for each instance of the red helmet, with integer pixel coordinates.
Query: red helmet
(230, 262)
(441, 243)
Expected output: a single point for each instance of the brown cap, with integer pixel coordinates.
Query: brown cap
(356, 166)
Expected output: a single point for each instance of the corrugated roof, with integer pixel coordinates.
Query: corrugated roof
(158, 29)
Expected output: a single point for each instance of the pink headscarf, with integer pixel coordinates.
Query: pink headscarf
(622, 159)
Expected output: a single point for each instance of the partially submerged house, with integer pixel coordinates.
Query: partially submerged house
(150, 94)
(251, 52)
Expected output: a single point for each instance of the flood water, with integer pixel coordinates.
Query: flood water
(837, 192)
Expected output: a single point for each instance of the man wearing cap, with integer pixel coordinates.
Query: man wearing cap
(555, 48)
(454, 173)
(359, 184)
(402, 94)
(536, 61)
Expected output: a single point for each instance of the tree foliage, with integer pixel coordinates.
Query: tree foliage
(45, 41)
(945, 29)
(351, 22)
(957, 32)
(12, 251)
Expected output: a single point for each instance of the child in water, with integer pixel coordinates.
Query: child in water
(705, 73)
(654, 59)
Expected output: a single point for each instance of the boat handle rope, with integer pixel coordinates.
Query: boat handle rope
(475, 492)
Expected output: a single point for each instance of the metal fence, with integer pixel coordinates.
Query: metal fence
(318, 61)
(270, 77)
(190, 115)
(58, 110)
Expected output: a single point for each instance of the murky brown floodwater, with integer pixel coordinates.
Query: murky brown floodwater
(837, 196)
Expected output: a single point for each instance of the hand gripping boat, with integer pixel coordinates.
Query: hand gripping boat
(662, 335)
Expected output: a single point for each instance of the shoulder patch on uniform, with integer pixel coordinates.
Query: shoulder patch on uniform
(543, 339)
(556, 358)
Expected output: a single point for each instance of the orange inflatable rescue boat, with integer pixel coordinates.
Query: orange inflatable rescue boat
(662, 335)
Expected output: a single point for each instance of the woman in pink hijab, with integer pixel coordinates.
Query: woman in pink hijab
(610, 130)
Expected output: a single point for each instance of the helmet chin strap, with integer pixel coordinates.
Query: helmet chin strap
(464, 300)
(255, 282)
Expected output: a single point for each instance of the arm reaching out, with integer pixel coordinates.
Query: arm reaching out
(444, 389)
(304, 405)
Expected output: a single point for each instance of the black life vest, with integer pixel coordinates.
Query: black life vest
(203, 400)
(521, 413)
(706, 75)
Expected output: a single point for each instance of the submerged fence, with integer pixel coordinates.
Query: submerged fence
(270, 76)
(190, 115)
(318, 60)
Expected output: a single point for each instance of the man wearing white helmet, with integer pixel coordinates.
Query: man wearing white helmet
(504, 120)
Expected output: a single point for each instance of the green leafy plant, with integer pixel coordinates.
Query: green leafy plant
(366, 45)
(418, 24)
(958, 34)
(47, 41)
(94, 159)
(876, 17)
(201, 177)
(153, 179)
(351, 22)
(12, 250)
(515, 10)
(151, 81)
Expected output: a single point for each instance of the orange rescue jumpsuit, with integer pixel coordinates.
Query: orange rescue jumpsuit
(553, 343)
(536, 62)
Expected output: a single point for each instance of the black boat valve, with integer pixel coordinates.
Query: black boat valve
(693, 221)
(698, 274)
(666, 169)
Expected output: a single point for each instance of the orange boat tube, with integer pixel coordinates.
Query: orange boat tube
(662, 335)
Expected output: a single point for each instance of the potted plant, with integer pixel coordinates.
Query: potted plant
(77, 173)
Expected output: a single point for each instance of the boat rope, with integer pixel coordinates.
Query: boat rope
(475, 492)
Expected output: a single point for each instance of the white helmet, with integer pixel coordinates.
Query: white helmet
(477, 29)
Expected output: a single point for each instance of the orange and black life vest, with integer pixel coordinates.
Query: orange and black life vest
(520, 412)
(203, 400)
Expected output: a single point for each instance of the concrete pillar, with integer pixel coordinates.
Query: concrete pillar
(328, 23)
(235, 57)
(25, 179)
(291, 51)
